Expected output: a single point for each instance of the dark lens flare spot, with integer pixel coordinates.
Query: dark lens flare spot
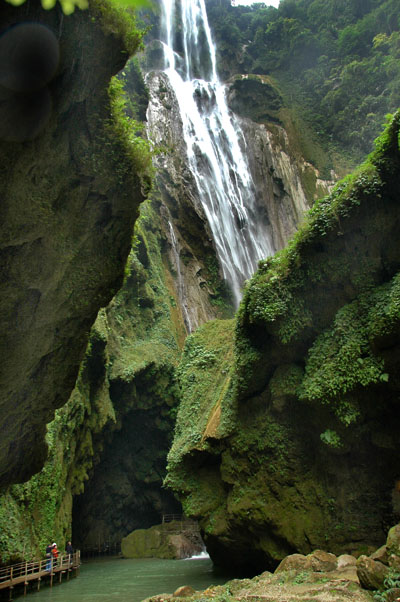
(29, 56)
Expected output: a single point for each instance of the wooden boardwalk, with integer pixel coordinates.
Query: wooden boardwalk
(37, 571)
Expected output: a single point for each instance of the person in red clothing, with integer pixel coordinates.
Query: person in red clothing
(54, 551)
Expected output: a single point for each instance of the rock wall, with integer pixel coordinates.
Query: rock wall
(108, 445)
(175, 539)
(69, 200)
(198, 276)
(285, 184)
(173, 287)
(286, 436)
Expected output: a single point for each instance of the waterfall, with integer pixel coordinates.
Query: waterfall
(180, 283)
(215, 145)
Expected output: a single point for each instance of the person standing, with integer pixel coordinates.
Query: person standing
(54, 551)
(69, 550)
(49, 556)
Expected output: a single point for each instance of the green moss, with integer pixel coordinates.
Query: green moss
(204, 376)
(130, 343)
(276, 295)
(314, 362)
(331, 438)
(37, 512)
(119, 22)
(127, 132)
(340, 360)
(140, 316)
(285, 381)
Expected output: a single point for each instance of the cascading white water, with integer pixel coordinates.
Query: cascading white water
(216, 148)
(177, 265)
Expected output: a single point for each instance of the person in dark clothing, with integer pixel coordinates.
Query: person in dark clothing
(49, 556)
(69, 550)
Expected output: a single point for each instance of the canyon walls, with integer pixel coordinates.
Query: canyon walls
(108, 444)
(286, 436)
(70, 194)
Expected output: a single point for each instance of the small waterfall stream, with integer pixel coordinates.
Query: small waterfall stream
(216, 148)
(180, 283)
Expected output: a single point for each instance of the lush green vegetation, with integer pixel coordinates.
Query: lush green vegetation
(119, 21)
(278, 297)
(134, 346)
(336, 61)
(38, 512)
(314, 369)
(204, 376)
(391, 586)
(127, 132)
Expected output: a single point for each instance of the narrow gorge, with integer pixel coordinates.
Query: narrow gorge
(241, 335)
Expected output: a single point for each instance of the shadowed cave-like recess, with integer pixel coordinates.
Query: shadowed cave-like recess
(124, 491)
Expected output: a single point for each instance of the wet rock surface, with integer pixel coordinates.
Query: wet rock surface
(175, 539)
(318, 577)
(276, 473)
(66, 229)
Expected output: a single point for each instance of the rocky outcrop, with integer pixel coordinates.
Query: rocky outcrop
(176, 539)
(285, 185)
(278, 179)
(277, 424)
(127, 380)
(380, 570)
(108, 444)
(319, 576)
(173, 287)
(192, 255)
(70, 195)
(298, 579)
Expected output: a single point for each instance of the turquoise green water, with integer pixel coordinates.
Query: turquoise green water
(128, 580)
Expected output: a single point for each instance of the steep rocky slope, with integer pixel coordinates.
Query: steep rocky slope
(109, 442)
(286, 438)
(70, 194)
(174, 286)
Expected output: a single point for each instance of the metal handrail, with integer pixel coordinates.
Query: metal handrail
(167, 518)
(35, 567)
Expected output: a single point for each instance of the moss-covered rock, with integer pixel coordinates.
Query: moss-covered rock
(70, 196)
(309, 406)
(175, 539)
(293, 585)
(255, 97)
(371, 573)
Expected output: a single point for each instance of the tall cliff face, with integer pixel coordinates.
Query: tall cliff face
(126, 393)
(285, 184)
(69, 200)
(108, 444)
(174, 286)
(292, 442)
(192, 255)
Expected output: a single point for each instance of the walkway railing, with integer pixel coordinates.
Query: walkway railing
(185, 524)
(24, 572)
(168, 518)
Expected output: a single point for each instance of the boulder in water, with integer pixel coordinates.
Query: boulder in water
(176, 539)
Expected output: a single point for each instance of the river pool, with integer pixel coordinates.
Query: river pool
(130, 580)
